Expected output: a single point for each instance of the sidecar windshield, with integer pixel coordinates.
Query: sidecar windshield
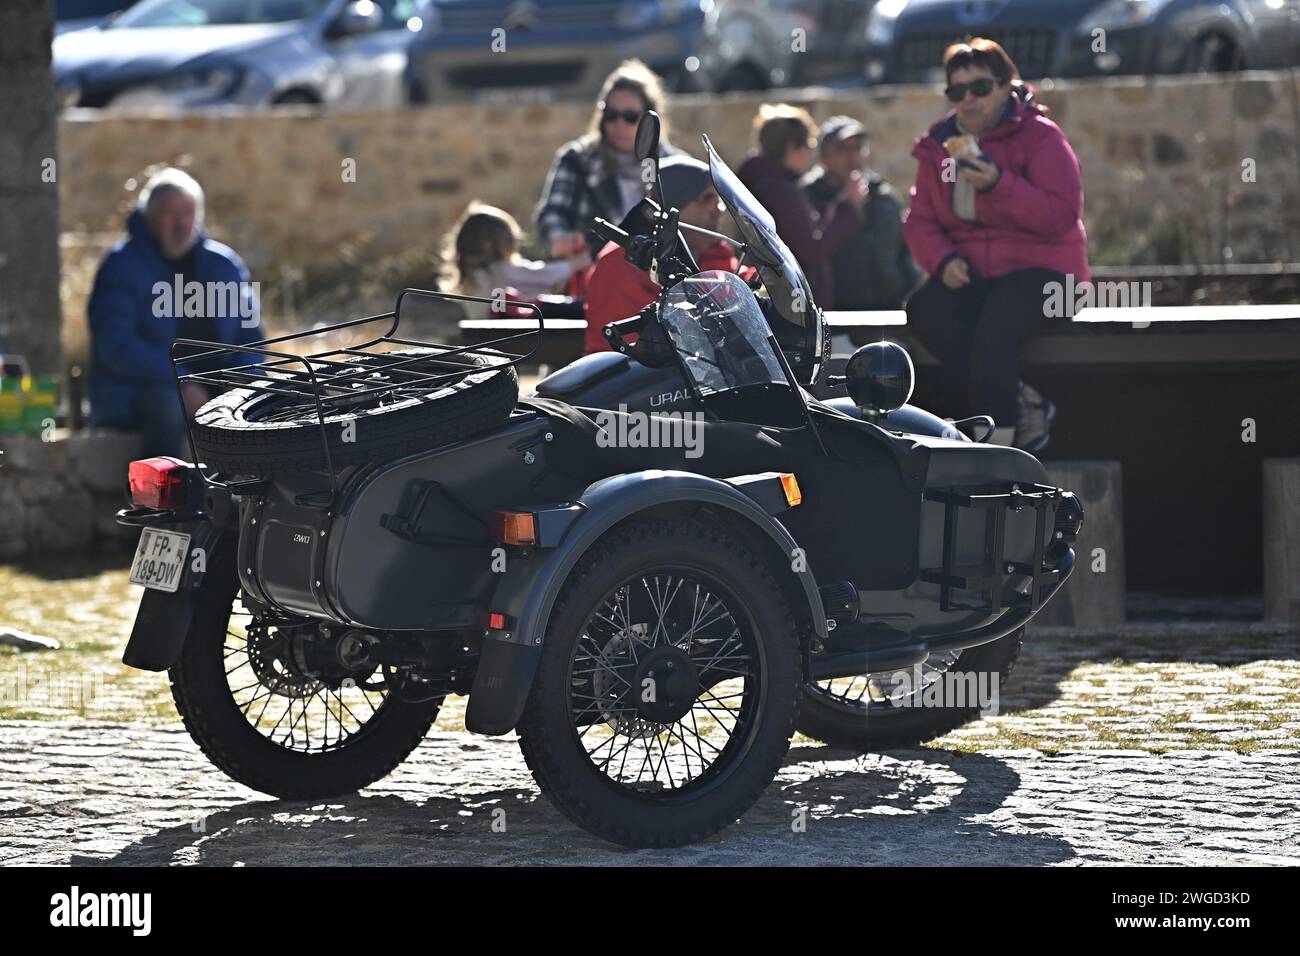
(716, 326)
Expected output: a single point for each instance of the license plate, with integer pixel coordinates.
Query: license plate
(160, 559)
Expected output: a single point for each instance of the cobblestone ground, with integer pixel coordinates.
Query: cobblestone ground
(1162, 742)
(95, 793)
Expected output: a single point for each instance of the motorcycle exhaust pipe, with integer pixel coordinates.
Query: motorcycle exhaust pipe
(856, 663)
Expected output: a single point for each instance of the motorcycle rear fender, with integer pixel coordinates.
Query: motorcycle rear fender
(532, 581)
(163, 618)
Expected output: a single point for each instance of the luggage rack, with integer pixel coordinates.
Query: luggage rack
(329, 380)
(991, 574)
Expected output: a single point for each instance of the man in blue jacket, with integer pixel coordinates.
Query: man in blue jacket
(166, 281)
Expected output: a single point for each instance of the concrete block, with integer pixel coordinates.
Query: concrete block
(101, 457)
(1281, 503)
(1094, 595)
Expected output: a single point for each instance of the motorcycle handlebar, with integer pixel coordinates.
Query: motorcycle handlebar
(610, 232)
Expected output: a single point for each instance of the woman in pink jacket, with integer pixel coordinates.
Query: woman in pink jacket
(996, 221)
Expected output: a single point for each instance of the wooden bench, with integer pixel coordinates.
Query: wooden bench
(1145, 335)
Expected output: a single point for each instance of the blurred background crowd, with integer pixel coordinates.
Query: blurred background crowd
(319, 155)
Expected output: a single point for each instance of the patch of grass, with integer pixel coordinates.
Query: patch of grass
(1066, 697)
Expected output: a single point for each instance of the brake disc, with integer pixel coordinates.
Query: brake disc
(270, 657)
(611, 696)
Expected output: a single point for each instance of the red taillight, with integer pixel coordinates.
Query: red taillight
(157, 483)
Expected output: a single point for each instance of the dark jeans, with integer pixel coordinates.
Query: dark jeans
(160, 420)
(976, 333)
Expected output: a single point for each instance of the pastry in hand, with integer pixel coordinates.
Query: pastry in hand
(961, 146)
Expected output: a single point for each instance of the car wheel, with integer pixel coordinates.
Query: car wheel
(743, 77)
(295, 98)
(1213, 54)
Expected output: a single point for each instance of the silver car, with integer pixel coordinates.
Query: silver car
(198, 54)
(515, 50)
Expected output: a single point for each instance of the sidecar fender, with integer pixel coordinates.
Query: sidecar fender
(532, 580)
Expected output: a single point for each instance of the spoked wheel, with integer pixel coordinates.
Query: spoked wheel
(286, 711)
(905, 708)
(271, 678)
(666, 694)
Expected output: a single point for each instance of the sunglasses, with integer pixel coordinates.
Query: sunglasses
(631, 117)
(956, 92)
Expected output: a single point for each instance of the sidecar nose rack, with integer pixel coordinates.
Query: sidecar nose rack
(331, 379)
(990, 575)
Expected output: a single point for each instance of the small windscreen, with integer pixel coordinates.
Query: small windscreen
(719, 331)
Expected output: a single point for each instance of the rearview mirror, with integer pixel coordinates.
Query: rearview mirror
(647, 137)
(646, 149)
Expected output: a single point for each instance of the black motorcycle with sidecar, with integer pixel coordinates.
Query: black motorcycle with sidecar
(652, 570)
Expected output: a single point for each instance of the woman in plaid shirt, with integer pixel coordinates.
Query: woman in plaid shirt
(598, 173)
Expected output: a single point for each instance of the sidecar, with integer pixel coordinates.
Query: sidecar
(650, 598)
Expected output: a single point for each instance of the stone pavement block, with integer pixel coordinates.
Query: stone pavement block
(914, 807)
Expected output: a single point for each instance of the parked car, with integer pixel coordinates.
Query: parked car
(72, 15)
(378, 527)
(198, 54)
(906, 38)
(565, 48)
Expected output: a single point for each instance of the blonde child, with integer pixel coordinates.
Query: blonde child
(484, 256)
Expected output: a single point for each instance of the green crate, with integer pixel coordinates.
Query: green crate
(11, 405)
(40, 403)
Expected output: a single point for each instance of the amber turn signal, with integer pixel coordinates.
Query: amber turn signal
(790, 485)
(514, 527)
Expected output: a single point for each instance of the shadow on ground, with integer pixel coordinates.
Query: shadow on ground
(920, 807)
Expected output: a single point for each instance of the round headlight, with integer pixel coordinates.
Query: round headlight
(880, 377)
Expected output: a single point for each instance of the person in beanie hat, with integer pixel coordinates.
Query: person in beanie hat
(616, 289)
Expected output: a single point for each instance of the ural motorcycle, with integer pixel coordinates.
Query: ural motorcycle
(370, 527)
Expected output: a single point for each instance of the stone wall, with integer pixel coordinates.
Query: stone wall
(60, 495)
(1162, 161)
(29, 191)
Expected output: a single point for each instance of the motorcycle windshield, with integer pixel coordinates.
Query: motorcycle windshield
(716, 326)
(782, 277)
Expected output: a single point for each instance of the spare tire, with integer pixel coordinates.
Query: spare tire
(253, 432)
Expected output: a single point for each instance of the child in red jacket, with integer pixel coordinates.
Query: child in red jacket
(617, 290)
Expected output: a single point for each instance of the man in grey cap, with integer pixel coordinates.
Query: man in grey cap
(616, 289)
(874, 269)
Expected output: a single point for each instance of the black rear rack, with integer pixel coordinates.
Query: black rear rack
(991, 574)
(328, 379)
